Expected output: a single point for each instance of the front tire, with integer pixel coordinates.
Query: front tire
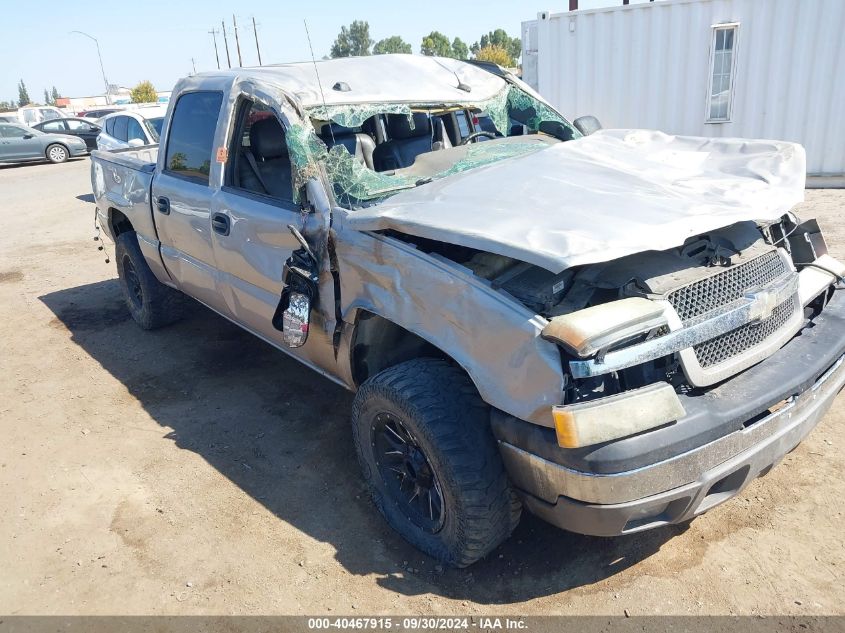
(422, 434)
(150, 302)
(57, 153)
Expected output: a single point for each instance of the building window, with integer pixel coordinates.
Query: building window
(722, 72)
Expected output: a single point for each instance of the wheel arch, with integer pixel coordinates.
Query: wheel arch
(118, 222)
(376, 343)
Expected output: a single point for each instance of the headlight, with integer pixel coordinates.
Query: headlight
(590, 330)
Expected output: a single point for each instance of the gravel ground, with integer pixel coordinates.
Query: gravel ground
(197, 470)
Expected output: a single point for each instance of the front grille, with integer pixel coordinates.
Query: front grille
(722, 288)
(742, 339)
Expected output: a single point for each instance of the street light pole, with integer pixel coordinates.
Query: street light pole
(100, 57)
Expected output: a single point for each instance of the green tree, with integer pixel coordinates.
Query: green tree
(178, 162)
(23, 95)
(47, 98)
(511, 45)
(55, 95)
(353, 41)
(459, 49)
(437, 44)
(393, 44)
(495, 54)
(144, 92)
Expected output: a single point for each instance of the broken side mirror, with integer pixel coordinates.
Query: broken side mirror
(299, 294)
(587, 124)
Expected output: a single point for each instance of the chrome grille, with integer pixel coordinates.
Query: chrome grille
(742, 339)
(722, 288)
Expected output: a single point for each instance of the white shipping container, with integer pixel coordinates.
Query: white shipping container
(770, 69)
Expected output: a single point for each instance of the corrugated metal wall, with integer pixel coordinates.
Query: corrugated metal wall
(648, 66)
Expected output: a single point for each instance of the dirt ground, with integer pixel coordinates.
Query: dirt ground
(197, 470)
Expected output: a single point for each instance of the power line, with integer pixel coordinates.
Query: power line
(214, 33)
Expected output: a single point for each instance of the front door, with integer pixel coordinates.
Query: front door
(181, 196)
(252, 242)
(18, 142)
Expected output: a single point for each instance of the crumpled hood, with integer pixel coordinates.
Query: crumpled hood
(598, 198)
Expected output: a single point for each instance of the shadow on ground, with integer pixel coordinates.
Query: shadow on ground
(24, 163)
(280, 432)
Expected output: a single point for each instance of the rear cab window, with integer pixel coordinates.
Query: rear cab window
(190, 139)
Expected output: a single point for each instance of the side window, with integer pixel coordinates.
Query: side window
(191, 137)
(14, 131)
(110, 127)
(53, 126)
(258, 154)
(121, 126)
(134, 131)
(723, 56)
(76, 126)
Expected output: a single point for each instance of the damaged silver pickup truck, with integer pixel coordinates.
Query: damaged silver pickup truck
(616, 330)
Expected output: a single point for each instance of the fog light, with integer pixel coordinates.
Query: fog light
(617, 416)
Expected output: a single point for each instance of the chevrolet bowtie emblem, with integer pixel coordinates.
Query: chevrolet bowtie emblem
(763, 303)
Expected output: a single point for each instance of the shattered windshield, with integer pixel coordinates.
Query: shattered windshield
(371, 151)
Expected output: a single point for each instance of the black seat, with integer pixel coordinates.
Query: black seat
(360, 145)
(267, 169)
(405, 144)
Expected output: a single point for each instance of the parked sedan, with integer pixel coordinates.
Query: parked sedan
(131, 128)
(96, 114)
(86, 130)
(20, 143)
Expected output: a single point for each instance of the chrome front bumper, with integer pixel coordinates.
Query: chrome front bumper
(675, 489)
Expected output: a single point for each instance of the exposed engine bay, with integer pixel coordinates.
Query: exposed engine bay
(698, 278)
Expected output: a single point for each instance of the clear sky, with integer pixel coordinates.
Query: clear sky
(156, 39)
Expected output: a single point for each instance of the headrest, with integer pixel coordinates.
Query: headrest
(333, 129)
(399, 126)
(267, 139)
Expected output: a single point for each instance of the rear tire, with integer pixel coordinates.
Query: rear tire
(422, 434)
(57, 153)
(150, 302)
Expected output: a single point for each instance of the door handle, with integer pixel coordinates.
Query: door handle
(163, 205)
(220, 223)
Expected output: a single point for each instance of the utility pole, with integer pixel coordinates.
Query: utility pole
(237, 41)
(226, 42)
(214, 33)
(100, 57)
(194, 64)
(255, 33)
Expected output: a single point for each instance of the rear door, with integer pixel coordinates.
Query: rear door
(181, 195)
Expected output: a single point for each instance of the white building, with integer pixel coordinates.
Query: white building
(747, 68)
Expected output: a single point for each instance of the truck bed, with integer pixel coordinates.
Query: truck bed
(121, 181)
